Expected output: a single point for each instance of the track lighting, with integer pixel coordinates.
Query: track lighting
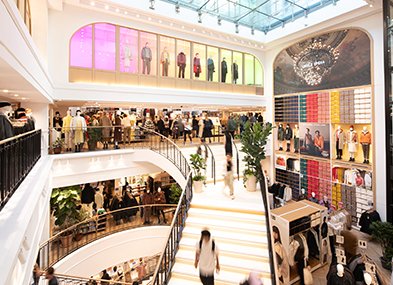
(219, 20)
(199, 17)
(177, 8)
(237, 28)
(252, 30)
(152, 2)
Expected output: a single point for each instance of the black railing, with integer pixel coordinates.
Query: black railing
(74, 280)
(167, 259)
(237, 158)
(137, 138)
(213, 160)
(99, 226)
(17, 157)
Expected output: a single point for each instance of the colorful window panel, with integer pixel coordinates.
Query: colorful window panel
(128, 50)
(81, 48)
(105, 47)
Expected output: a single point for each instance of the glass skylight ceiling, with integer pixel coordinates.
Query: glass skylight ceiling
(263, 15)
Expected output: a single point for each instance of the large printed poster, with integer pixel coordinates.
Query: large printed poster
(315, 139)
(334, 60)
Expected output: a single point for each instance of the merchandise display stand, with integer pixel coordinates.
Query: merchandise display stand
(294, 219)
(342, 168)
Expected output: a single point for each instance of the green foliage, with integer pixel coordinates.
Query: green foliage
(254, 139)
(198, 164)
(59, 143)
(64, 204)
(176, 191)
(383, 233)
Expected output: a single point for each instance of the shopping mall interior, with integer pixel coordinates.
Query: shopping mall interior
(196, 142)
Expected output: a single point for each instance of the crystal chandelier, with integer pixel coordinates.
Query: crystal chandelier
(315, 62)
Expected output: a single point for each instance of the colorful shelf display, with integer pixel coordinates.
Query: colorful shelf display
(287, 109)
(314, 108)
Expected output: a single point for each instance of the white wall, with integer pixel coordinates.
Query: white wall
(39, 17)
(114, 249)
(372, 24)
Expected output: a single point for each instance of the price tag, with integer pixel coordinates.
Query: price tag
(342, 260)
(340, 252)
(340, 239)
(370, 268)
(362, 244)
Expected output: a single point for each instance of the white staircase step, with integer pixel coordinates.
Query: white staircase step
(228, 248)
(233, 216)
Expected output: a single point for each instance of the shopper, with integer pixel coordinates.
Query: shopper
(228, 179)
(195, 127)
(36, 274)
(159, 198)
(228, 143)
(231, 126)
(161, 126)
(201, 126)
(206, 257)
(175, 130)
(207, 129)
(50, 276)
(281, 257)
(126, 123)
(105, 276)
(187, 129)
(106, 123)
(180, 125)
(167, 126)
(147, 199)
(141, 269)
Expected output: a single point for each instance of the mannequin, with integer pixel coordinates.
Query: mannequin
(340, 140)
(280, 136)
(117, 132)
(146, 55)
(78, 126)
(224, 70)
(365, 141)
(127, 56)
(312, 198)
(302, 194)
(325, 202)
(197, 65)
(159, 198)
(352, 140)
(296, 138)
(99, 198)
(165, 61)
(235, 72)
(6, 128)
(181, 63)
(66, 130)
(210, 68)
(133, 124)
(288, 136)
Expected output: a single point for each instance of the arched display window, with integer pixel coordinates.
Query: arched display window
(81, 48)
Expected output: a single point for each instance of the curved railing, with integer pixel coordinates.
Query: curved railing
(69, 240)
(167, 259)
(139, 138)
(237, 158)
(213, 159)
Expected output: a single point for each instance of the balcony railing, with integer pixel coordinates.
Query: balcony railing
(17, 157)
(99, 226)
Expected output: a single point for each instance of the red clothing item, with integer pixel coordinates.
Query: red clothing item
(318, 142)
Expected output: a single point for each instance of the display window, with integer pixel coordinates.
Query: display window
(199, 62)
(148, 53)
(258, 73)
(226, 66)
(237, 68)
(249, 71)
(81, 48)
(167, 57)
(105, 47)
(128, 50)
(183, 56)
(212, 64)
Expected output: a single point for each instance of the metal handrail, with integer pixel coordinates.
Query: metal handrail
(17, 137)
(97, 229)
(237, 158)
(169, 251)
(213, 162)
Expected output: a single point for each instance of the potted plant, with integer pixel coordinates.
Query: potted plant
(66, 210)
(254, 140)
(94, 133)
(198, 164)
(58, 145)
(175, 193)
(383, 233)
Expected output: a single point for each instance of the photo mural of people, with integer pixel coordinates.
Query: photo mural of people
(314, 139)
(318, 63)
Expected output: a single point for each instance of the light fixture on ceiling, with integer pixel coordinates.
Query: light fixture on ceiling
(5, 91)
(177, 8)
(117, 10)
(237, 28)
(92, 3)
(200, 17)
(149, 18)
(252, 30)
(219, 20)
(106, 7)
(16, 95)
(125, 12)
(152, 3)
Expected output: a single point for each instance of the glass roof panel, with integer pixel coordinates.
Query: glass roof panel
(263, 15)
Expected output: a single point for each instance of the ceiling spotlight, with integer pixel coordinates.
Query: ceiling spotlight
(177, 8)
(252, 31)
(106, 7)
(152, 2)
(92, 3)
(117, 10)
(219, 21)
(199, 17)
(237, 28)
(16, 95)
(125, 12)
(6, 91)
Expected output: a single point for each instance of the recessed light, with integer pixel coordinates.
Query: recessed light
(182, 27)
(149, 18)
(204, 31)
(137, 15)
(6, 91)
(193, 29)
(262, 46)
(106, 7)
(125, 12)
(23, 98)
(117, 10)
(160, 21)
(92, 3)
(171, 24)
(16, 95)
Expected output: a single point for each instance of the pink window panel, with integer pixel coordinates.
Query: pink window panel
(128, 50)
(105, 47)
(81, 48)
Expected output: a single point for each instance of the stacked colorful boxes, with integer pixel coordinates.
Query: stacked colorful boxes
(279, 109)
(336, 194)
(335, 107)
(362, 106)
(323, 108)
(325, 184)
(347, 106)
(304, 177)
(312, 107)
(303, 108)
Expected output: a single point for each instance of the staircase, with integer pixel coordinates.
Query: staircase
(239, 230)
